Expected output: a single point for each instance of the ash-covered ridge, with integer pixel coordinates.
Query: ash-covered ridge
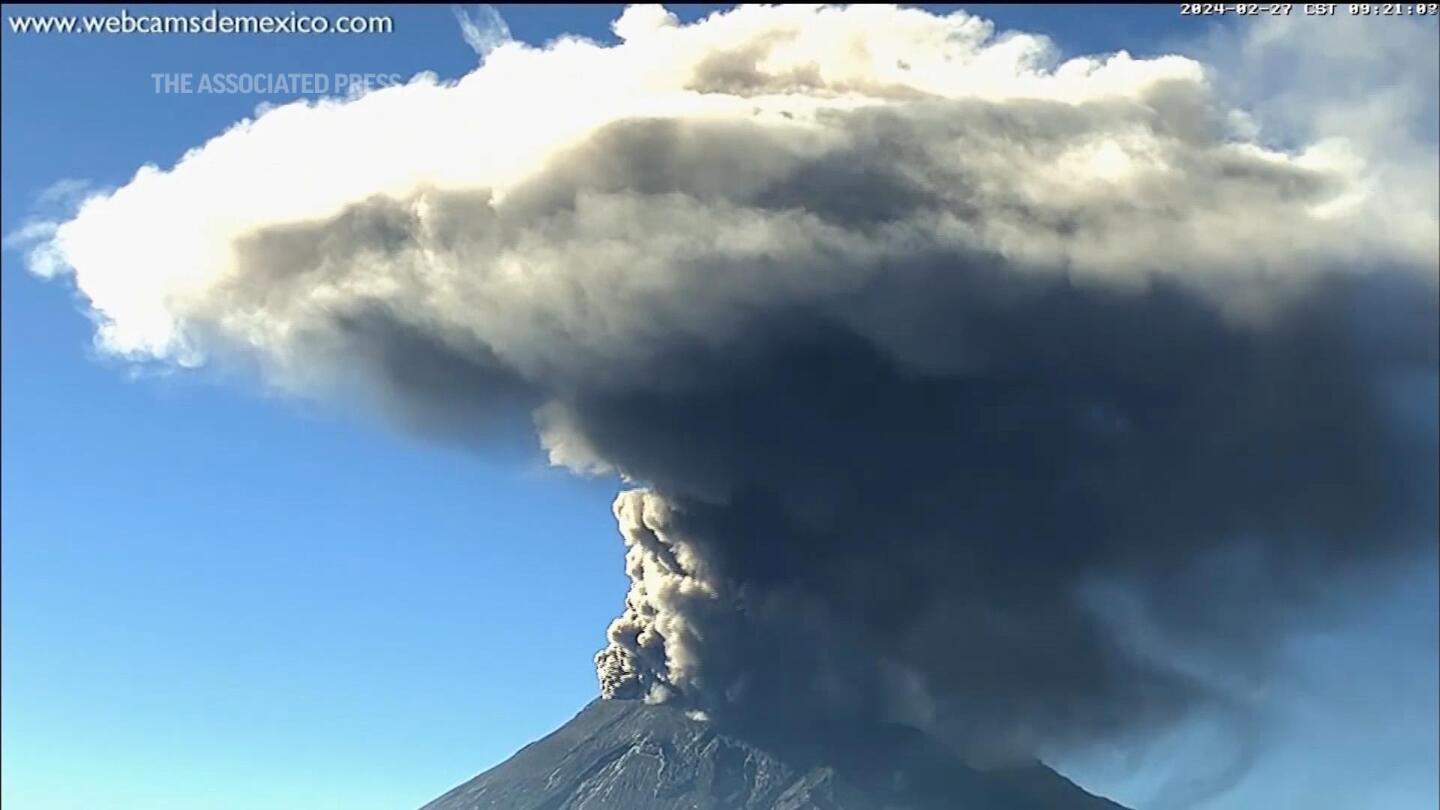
(629, 755)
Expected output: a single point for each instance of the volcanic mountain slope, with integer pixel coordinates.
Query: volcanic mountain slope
(626, 755)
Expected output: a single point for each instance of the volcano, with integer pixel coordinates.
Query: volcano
(628, 755)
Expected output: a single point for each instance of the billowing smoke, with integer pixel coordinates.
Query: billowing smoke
(944, 372)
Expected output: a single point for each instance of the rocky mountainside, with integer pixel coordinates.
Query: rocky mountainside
(626, 755)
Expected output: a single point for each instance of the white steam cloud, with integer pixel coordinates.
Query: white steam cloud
(1142, 179)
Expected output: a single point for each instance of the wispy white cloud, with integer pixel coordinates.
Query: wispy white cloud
(34, 236)
(483, 28)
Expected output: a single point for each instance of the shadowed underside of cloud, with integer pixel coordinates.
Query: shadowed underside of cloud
(919, 344)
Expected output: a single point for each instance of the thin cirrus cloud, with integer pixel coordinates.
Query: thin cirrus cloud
(483, 28)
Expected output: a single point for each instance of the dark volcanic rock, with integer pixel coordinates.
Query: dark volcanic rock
(625, 755)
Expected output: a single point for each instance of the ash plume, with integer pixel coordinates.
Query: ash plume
(937, 365)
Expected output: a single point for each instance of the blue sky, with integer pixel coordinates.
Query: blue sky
(216, 599)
